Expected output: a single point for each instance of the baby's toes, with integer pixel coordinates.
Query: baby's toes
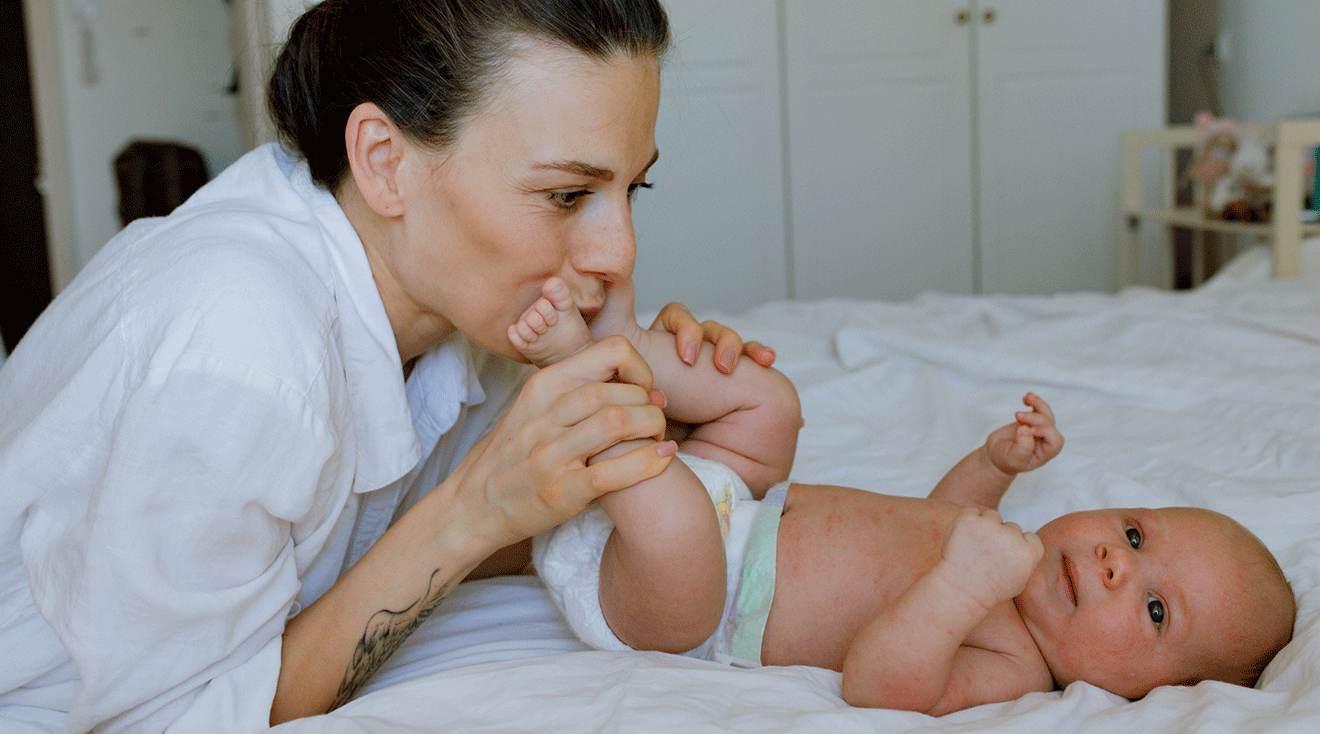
(516, 337)
(534, 323)
(558, 295)
(549, 316)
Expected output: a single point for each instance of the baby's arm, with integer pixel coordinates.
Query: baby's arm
(982, 477)
(915, 654)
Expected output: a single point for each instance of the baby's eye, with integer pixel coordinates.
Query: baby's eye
(1134, 536)
(1156, 608)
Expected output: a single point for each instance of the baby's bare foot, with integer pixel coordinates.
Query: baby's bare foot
(552, 328)
(617, 315)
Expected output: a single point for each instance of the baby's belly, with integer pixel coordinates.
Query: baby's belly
(842, 554)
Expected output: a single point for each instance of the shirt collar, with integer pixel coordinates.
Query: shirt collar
(388, 446)
(443, 380)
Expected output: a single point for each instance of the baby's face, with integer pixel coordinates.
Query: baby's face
(1129, 599)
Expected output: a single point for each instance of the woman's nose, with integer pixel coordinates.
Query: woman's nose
(609, 249)
(1115, 564)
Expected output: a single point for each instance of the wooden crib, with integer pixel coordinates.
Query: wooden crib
(1293, 143)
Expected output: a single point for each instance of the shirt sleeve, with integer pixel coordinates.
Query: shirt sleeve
(170, 587)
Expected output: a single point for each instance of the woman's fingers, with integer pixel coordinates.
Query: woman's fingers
(728, 345)
(624, 471)
(677, 320)
(567, 495)
(610, 359)
(760, 354)
(606, 427)
(586, 400)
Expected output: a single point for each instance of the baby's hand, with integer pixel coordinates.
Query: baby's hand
(990, 559)
(1029, 442)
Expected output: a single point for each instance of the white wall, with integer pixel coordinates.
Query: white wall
(1273, 69)
(140, 69)
(260, 28)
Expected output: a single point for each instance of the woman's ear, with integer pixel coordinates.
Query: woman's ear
(375, 158)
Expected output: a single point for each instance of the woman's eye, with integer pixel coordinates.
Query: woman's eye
(1134, 536)
(1156, 608)
(632, 190)
(568, 199)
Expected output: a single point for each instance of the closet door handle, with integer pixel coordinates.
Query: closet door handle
(961, 17)
(989, 16)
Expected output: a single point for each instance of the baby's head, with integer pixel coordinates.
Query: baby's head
(1130, 599)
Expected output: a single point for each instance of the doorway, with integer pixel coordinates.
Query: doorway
(24, 264)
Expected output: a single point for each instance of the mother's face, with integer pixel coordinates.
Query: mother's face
(538, 183)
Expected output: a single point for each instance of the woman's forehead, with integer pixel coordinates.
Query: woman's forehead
(536, 72)
(553, 106)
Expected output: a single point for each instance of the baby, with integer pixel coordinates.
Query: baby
(929, 604)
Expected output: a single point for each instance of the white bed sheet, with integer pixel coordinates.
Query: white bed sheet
(1207, 398)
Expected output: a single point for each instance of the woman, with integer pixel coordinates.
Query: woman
(283, 403)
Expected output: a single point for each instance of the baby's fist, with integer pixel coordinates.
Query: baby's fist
(990, 559)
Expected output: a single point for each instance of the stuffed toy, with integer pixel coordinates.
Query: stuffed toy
(1233, 166)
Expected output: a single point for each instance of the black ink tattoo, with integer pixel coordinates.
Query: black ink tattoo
(385, 631)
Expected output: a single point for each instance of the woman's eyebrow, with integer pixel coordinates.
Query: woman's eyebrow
(577, 168)
(580, 168)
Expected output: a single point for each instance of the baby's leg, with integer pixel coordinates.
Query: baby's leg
(618, 315)
(552, 328)
(662, 575)
(748, 421)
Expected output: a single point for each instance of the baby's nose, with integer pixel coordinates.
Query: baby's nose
(1115, 562)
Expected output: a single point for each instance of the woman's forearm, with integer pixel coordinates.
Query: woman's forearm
(337, 643)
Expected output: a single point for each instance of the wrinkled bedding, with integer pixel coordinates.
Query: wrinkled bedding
(1209, 397)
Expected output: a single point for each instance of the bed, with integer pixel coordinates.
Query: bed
(1207, 397)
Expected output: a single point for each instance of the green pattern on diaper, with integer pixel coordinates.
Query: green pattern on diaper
(757, 588)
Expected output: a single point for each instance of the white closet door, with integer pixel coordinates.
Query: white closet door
(880, 147)
(711, 232)
(1059, 80)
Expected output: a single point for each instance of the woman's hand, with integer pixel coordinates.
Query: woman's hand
(688, 336)
(530, 472)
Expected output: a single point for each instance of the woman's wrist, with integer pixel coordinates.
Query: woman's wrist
(453, 529)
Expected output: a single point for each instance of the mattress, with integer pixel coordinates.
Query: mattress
(1209, 397)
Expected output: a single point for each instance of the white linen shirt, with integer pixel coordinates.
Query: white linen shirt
(197, 438)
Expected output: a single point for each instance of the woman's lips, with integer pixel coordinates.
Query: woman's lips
(1070, 576)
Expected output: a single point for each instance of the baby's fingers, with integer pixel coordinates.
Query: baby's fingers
(1024, 440)
(1038, 405)
(1039, 425)
(1034, 542)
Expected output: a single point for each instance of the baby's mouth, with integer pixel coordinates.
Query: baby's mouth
(1069, 574)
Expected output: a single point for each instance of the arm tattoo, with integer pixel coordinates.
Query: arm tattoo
(385, 631)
